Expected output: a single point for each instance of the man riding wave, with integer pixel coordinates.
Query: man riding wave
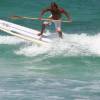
(56, 14)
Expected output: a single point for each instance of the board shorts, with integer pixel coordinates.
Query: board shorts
(56, 23)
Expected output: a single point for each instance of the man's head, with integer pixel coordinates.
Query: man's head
(54, 5)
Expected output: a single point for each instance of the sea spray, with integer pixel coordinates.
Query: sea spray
(71, 45)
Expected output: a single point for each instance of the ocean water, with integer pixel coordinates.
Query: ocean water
(67, 70)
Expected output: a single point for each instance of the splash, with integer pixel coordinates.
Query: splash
(10, 40)
(71, 45)
(32, 50)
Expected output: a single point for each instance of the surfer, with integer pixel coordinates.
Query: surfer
(56, 13)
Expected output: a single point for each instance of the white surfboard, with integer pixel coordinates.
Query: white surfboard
(23, 32)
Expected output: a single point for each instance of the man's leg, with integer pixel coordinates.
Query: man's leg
(58, 28)
(60, 34)
(43, 28)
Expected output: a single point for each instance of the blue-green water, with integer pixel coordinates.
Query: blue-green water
(69, 70)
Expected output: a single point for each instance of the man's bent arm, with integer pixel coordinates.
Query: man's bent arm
(44, 11)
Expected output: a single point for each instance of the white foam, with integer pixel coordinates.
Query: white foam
(71, 45)
(10, 40)
(33, 50)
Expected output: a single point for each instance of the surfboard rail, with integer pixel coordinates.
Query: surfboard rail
(23, 32)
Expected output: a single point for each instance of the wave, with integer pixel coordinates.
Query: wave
(70, 45)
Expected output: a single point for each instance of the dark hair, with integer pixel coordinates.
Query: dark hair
(53, 4)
